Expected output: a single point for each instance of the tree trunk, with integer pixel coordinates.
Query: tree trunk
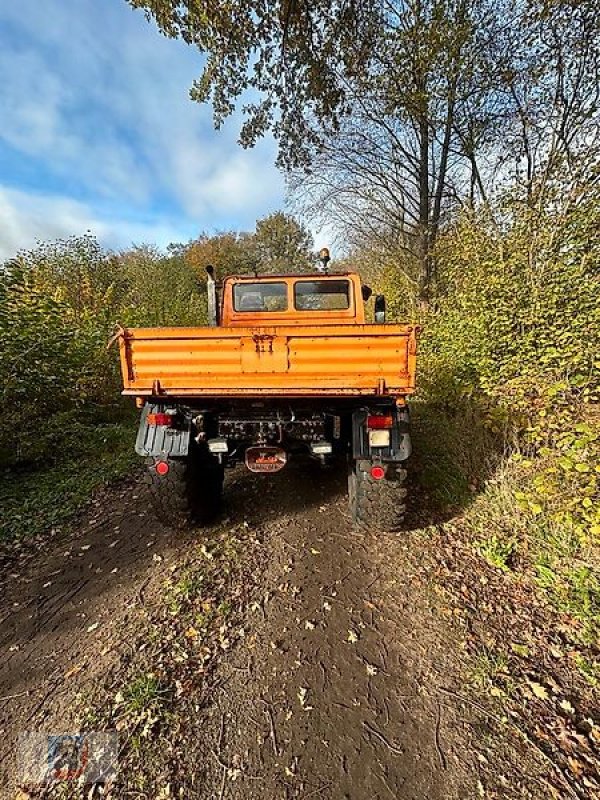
(423, 232)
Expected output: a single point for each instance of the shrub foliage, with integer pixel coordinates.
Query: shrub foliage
(514, 340)
(58, 306)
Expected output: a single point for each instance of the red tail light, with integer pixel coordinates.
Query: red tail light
(379, 421)
(160, 419)
(377, 472)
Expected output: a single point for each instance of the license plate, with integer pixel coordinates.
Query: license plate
(265, 459)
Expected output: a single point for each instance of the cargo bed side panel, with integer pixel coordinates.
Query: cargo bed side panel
(285, 361)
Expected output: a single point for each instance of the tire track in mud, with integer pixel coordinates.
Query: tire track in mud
(333, 693)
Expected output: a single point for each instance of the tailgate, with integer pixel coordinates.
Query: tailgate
(292, 361)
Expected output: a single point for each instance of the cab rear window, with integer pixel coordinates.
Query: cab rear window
(322, 295)
(260, 297)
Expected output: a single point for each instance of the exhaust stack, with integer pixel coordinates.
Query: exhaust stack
(213, 301)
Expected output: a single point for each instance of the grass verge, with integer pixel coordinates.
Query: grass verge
(513, 542)
(531, 516)
(192, 619)
(37, 499)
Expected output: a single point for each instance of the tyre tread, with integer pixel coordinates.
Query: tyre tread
(191, 492)
(377, 505)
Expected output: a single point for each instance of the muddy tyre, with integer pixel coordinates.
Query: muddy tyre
(377, 505)
(190, 493)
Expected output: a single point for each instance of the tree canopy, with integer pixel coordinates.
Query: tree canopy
(289, 61)
(396, 113)
(278, 244)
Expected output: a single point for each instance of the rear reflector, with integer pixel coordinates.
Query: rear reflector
(378, 421)
(162, 468)
(377, 472)
(160, 419)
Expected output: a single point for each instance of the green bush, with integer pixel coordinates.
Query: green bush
(521, 325)
(58, 307)
(512, 344)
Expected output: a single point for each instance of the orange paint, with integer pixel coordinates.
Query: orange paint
(281, 352)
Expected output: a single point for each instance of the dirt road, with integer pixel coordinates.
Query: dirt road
(342, 684)
(336, 695)
(64, 602)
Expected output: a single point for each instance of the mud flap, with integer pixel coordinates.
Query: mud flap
(161, 440)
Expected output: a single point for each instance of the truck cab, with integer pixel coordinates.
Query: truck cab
(313, 299)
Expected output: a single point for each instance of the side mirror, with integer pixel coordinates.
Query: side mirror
(366, 292)
(379, 309)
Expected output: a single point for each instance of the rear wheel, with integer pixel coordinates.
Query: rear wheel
(377, 505)
(191, 491)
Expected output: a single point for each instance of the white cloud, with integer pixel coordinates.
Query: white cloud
(27, 218)
(39, 121)
(97, 100)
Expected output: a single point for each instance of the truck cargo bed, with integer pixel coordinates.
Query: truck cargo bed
(288, 361)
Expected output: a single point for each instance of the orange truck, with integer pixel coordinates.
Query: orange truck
(287, 366)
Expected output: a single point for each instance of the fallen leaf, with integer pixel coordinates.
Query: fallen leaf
(352, 636)
(575, 765)
(538, 690)
(93, 627)
(206, 553)
(566, 706)
(302, 692)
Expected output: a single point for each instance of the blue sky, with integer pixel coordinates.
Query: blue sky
(97, 132)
